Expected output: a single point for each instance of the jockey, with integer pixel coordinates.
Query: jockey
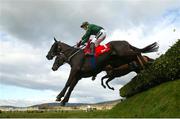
(92, 29)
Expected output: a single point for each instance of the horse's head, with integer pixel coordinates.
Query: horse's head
(60, 59)
(55, 50)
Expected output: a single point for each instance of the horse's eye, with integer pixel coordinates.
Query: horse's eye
(59, 47)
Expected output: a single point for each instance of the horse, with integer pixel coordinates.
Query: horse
(122, 70)
(111, 72)
(81, 68)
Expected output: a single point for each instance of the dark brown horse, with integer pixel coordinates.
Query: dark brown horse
(81, 68)
(122, 70)
(111, 72)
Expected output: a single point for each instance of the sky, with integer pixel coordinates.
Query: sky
(27, 28)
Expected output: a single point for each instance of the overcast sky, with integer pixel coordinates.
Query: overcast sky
(27, 28)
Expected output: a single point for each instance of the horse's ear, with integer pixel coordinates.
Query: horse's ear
(55, 39)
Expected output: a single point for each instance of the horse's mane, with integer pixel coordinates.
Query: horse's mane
(69, 46)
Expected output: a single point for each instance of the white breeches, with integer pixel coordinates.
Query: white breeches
(99, 37)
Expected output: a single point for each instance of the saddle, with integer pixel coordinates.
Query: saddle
(99, 50)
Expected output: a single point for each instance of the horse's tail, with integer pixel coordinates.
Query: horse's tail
(150, 48)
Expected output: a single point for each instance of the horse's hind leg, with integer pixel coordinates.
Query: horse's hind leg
(110, 79)
(126, 51)
(141, 61)
(102, 83)
(137, 57)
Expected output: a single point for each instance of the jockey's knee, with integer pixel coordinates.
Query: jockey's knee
(92, 44)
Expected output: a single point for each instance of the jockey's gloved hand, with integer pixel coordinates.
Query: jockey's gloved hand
(79, 43)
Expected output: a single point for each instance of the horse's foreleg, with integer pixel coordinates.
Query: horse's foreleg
(62, 93)
(110, 79)
(66, 98)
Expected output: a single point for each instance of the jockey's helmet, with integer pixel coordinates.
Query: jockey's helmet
(84, 24)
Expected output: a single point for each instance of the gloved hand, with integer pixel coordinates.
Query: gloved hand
(79, 43)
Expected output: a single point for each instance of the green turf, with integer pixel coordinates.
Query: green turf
(160, 101)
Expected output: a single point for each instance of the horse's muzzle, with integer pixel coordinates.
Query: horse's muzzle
(54, 68)
(49, 57)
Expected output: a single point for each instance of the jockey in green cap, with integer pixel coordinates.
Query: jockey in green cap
(92, 29)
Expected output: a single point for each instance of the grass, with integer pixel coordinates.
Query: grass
(160, 101)
(64, 114)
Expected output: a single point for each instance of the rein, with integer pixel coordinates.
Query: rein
(73, 55)
(69, 58)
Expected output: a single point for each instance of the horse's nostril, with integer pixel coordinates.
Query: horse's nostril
(49, 57)
(54, 69)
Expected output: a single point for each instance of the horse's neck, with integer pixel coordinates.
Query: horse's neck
(66, 46)
(69, 50)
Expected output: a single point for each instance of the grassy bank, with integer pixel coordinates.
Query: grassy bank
(160, 101)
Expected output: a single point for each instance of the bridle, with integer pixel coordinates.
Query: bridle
(68, 59)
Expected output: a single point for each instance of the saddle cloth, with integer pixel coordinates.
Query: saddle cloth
(101, 49)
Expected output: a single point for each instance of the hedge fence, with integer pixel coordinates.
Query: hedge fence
(165, 68)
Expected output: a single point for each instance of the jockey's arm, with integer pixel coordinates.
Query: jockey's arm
(86, 36)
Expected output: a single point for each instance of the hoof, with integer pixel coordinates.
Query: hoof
(57, 99)
(93, 79)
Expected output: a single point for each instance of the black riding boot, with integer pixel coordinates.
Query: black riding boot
(92, 48)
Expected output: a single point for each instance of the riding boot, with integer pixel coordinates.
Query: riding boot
(92, 49)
